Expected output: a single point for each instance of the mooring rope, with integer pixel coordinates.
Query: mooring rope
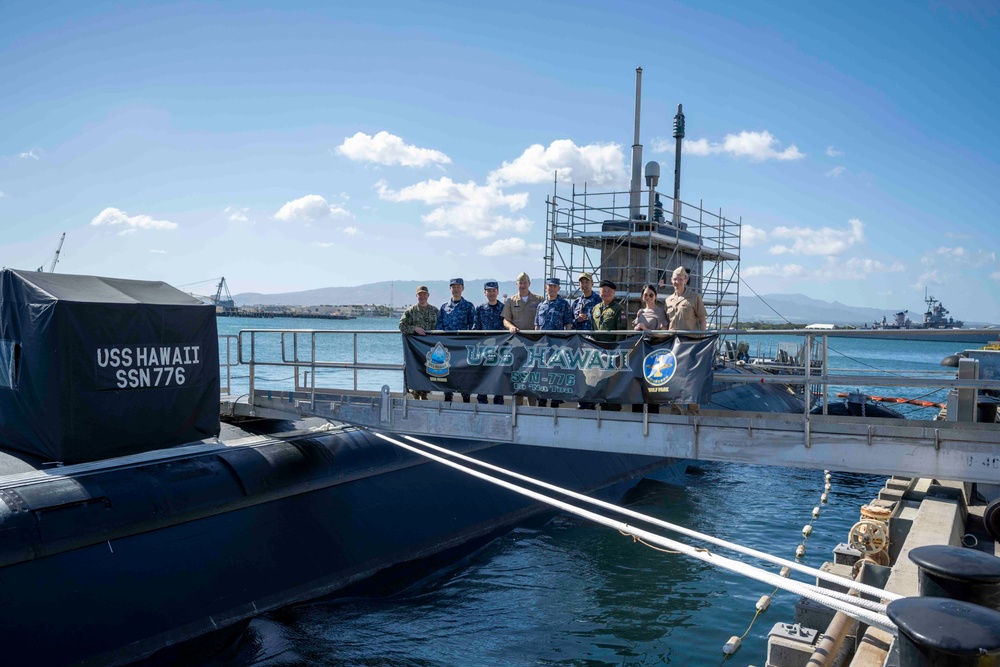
(732, 546)
(820, 595)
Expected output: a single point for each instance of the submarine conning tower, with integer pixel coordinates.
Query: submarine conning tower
(93, 368)
(619, 237)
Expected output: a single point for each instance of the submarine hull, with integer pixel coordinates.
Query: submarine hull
(122, 559)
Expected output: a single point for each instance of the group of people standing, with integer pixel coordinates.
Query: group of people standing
(683, 310)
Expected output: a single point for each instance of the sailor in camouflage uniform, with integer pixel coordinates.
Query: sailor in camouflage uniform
(489, 318)
(418, 319)
(458, 314)
(553, 314)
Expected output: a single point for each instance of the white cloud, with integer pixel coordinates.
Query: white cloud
(968, 259)
(823, 241)
(388, 149)
(158, 252)
(833, 269)
(511, 246)
(324, 244)
(597, 164)
(132, 223)
(751, 236)
(34, 154)
(836, 171)
(350, 230)
(860, 267)
(928, 278)
(237, 214)
(953, 253)
(995, 275)
(663, 144)
(757, 146)
(833, 152)
(310, 209)
(775, 271)
(2, 195)
(467, 208)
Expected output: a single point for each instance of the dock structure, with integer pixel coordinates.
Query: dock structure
(963, 446)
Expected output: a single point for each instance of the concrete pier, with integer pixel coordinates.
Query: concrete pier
(924, 511)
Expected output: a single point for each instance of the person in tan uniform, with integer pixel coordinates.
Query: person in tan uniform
(686, 312)
(685, 308)
(519, 310)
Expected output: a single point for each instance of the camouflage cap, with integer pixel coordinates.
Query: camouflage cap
(423, 288)
(491, 284)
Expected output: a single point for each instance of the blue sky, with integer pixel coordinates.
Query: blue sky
(300, 145)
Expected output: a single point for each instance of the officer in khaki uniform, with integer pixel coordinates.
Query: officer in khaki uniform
(685, 308)
(519, 310)
(686, 312)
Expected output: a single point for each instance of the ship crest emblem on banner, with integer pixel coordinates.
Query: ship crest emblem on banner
(658, 367)
(438, 361)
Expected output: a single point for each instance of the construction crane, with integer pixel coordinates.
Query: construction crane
(226, 305)
(52, 267)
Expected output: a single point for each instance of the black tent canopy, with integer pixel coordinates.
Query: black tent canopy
(94, 367)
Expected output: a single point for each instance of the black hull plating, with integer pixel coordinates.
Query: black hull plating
(120, 562)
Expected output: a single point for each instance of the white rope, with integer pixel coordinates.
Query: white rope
(813, 593)
(732, 546)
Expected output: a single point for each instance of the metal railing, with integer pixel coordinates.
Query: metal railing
(298, 349)
(226, 362)
(308, 353)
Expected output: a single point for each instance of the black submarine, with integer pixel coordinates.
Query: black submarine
(133, 521)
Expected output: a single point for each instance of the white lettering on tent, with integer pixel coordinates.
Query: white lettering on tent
(147, 366)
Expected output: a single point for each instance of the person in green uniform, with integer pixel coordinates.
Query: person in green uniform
(608, 315)
(418, 319)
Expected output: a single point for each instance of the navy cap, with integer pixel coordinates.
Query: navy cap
(552, 281)
(608, 283)
(456, 281)
(491, 284)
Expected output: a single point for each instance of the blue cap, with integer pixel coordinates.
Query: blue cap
(456, 281)
(552, 281)
(491, 284)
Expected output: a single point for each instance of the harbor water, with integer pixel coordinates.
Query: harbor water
(567, 592)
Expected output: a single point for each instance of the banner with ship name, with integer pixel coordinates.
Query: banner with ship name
(592, 367)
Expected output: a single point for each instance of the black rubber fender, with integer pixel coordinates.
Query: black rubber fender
(991, 517)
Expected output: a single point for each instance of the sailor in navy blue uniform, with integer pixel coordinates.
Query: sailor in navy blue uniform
(553, 314)
(489, 318)
(456, 315)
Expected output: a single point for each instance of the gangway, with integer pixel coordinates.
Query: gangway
(333, 382)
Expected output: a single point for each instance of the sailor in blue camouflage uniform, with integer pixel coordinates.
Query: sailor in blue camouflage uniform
(489, 318)
(553, 314)
(583, 304)
(456, 315)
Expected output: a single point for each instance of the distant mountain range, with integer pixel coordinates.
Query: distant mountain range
(796, 308)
